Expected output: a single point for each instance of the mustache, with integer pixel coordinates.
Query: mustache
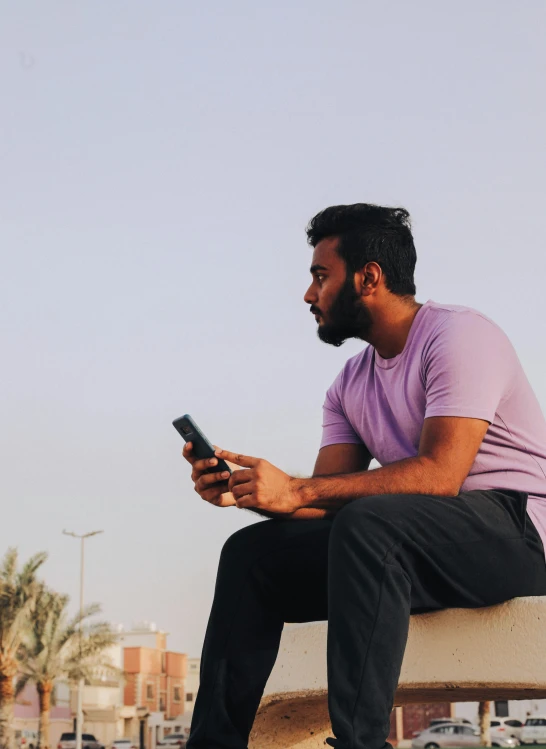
(315, 310)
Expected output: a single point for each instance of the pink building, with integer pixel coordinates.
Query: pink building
(27, 706)
(27, 711)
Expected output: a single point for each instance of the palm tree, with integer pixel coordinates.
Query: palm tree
(18, 590)
(55, 650)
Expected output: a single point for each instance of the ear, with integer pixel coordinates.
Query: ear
(370, 279)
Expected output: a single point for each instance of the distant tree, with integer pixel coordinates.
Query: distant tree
(18, 591)
(54, 650)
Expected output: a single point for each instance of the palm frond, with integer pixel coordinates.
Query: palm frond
(9, 566)
(28, 573)
(59, 649)
(20, 684)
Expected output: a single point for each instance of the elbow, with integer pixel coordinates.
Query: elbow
(447, 486)
(441, 481)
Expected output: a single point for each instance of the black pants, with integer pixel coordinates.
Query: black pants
(365, 570)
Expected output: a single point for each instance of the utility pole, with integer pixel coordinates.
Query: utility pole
(79, 710)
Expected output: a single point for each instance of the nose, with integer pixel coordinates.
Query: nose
(310, 296)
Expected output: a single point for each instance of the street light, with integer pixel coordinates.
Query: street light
(79, 709)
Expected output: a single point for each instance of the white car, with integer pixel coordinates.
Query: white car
(445, 735)
(124, 744)
(174, 740)
(440, 721)
(506, 727)
(68, 741)
(534, 730)
(26, 739)
(501, 728)
(457, 734)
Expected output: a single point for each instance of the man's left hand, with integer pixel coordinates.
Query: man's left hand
(261, 485)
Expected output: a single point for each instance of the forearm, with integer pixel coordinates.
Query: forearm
(304, 513)
(417, 475)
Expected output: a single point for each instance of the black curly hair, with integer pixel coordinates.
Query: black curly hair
(371, 233)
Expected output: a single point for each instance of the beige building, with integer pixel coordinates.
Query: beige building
(192, 684)
(104, 712)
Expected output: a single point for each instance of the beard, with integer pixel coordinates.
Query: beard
(348, 317)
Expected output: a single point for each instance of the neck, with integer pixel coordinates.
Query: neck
(391, 326)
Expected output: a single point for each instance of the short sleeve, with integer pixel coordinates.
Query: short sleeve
(469, 367)
(336, 428)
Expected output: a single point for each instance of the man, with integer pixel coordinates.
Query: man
(455, 516)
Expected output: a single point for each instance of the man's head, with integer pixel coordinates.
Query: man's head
(364, 258)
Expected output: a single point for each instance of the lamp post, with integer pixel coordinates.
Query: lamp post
(79, 709)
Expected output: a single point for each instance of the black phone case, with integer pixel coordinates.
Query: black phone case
(202, 448)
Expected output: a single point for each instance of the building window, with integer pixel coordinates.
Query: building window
(189, 696)
(177, 694)
(161, 704)
(149, 691)
(501, 708)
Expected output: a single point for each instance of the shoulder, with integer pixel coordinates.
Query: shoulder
(452, 322)
(464, 335)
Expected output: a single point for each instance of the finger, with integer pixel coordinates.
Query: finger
(245, 503)
(208, 479)
(240, 477)
(243, 490)
(245, 461)
(187, 452)
(231, 465)
(204, 464)
(213, 495)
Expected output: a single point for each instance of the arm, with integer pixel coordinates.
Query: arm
(468, 367)
(335, 460)
(447, 450)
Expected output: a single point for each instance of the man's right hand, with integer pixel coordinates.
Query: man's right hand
(212, 487)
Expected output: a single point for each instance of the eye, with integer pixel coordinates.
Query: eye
(320, 277)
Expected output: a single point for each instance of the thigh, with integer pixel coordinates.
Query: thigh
(289, 561)
(477, 549)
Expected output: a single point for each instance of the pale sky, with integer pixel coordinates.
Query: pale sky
(159, 163)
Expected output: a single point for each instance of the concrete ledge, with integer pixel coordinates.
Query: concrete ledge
(292, 721)
(456, 655)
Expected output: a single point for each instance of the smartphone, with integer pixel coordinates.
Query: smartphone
(202, 448)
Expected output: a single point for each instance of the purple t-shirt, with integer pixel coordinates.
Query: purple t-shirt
(456, 362)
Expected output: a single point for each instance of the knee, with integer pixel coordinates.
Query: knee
(251, 540)
(240, 540)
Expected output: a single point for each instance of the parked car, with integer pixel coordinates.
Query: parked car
(26, 739)
(177, 740)
(509, 726)
(534, 730)
(442, 721)
(124, 744)
(446, 735)
(456, 734)
(68, 741)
